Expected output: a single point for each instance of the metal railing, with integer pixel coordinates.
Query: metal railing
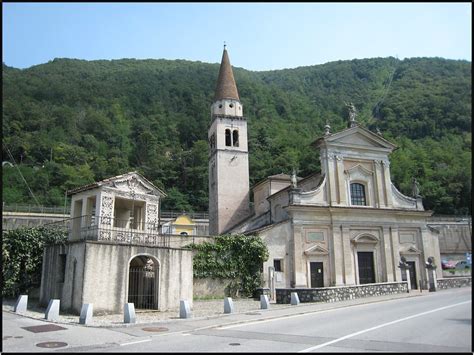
(17, 207)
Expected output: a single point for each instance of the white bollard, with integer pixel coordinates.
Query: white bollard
(129, 313)
(52, 312)
(86, 313)
(184, 309)
(264, 302)
(295, 300)
(228, 305)
(21, 304)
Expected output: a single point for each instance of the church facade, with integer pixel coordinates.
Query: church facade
(345, 225)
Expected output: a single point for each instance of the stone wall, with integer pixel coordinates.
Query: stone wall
(211, 288)
(454, 282)
(334, 294)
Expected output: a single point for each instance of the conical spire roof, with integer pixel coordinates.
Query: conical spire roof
(226, 88)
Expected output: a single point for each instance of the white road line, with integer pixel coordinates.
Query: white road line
(136, 342)
(379, 326)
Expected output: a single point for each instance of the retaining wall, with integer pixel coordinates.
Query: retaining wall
(342, 293)
(454, 282)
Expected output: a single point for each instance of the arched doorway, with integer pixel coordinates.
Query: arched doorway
(143, 282)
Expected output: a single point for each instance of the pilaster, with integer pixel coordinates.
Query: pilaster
(332, 180)
(342, 195)
(299, 269)
(387, 183)
(337, 256)
(388, 256)
(397, 275)
(349, 276)
(379, 184)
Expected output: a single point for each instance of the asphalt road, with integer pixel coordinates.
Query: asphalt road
(435, 322)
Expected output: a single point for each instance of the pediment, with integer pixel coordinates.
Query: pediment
(317, 249)
(133, 183)
(365, 238)
(411, 250)
(360, 137)
(359, 169)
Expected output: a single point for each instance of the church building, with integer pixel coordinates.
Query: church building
(345, 225)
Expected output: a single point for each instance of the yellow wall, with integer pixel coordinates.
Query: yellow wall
(183, 224)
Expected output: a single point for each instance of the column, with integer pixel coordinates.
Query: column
(337, 256)
(379, 184)
(341, 181)
(387, 255)
(387, 183)
(349, 272)
(397, 275)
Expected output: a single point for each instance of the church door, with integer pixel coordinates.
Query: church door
(317, 274)
(366, 267)
(412, 272)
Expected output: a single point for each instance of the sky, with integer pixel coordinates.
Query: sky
(259, 36)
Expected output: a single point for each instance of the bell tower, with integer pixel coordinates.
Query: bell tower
(228, 155)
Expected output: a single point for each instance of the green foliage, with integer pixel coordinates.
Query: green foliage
(22, 257)
(71, 122)
(236, 257)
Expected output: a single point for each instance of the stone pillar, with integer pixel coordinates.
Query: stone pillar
(86, 313)
(395, 252)
(431, 269)
(349, 274)
(379, 185)
(342, 193)
(387, 255)
(387, 183)
(52, 312)
(295, 300)
(228, 305)
(184, 309)
(337, 255)
(129, 313)
(264, 302)
(21, 304)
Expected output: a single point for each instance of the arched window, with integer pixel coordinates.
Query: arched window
(358, 194)
(235, 138)
(227, 138)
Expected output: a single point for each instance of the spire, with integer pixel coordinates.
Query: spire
(226, 88)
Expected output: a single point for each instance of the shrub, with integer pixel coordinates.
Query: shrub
(22, 257)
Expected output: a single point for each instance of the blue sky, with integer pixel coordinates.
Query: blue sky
(259, 36)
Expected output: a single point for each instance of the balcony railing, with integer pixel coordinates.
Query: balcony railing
(123, 231)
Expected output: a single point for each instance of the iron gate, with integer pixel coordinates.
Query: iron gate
(142, 287)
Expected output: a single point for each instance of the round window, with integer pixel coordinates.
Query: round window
(231, 105)
(220, 106)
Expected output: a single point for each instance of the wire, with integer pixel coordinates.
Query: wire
(16, 166)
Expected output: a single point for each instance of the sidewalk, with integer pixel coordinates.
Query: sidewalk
(244, 310)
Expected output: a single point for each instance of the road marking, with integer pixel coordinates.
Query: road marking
(379, 326)
(136, 342)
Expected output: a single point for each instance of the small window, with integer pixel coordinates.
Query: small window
(231, 105)
(358, 194)
(235, 138)
(228, 138)
(220, 106)
(183, 233)
(278, 265)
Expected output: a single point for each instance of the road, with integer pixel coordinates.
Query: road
(435, 322)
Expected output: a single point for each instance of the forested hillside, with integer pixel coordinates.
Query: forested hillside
(71, 122)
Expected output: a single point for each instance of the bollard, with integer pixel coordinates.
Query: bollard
(295, 300)
(129, 313)
(52, 312)
(86, 313)
(228, 305)
(184, 310)
(264, 302)
(21, 304)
